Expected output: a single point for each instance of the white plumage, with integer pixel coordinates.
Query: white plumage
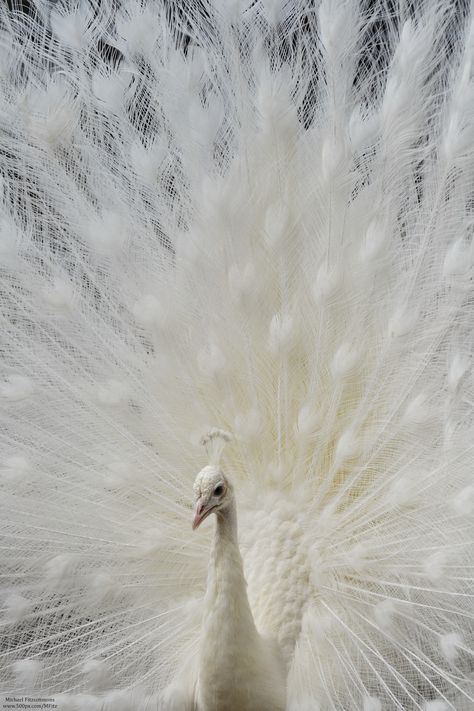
(255, 216)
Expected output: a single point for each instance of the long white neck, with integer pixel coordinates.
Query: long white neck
(230, 644)
(226, 586)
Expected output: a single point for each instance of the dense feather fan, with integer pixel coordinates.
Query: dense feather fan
(256, 216)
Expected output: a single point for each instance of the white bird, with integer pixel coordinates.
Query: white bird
(257, 216)
(237, 668)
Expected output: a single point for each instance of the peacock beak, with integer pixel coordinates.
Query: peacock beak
(200, 513)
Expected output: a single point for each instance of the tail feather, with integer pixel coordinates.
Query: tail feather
(256, 217)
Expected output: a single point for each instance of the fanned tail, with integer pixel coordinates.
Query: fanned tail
(256, 217)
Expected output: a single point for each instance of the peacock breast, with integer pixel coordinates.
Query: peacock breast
(276, 554)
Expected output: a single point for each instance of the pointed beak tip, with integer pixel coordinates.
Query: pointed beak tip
(198, 515)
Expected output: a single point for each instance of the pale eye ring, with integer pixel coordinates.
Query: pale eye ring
(219, 490)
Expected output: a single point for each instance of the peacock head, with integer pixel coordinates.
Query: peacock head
(213, 493)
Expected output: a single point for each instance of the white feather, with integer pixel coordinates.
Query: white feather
(252, 216)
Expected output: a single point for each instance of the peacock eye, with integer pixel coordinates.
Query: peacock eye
(218, 490)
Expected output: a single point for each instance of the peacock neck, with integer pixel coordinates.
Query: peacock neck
(227, 589)
(229, 637)
(226, 527)
(237, 669)
(226, 573)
